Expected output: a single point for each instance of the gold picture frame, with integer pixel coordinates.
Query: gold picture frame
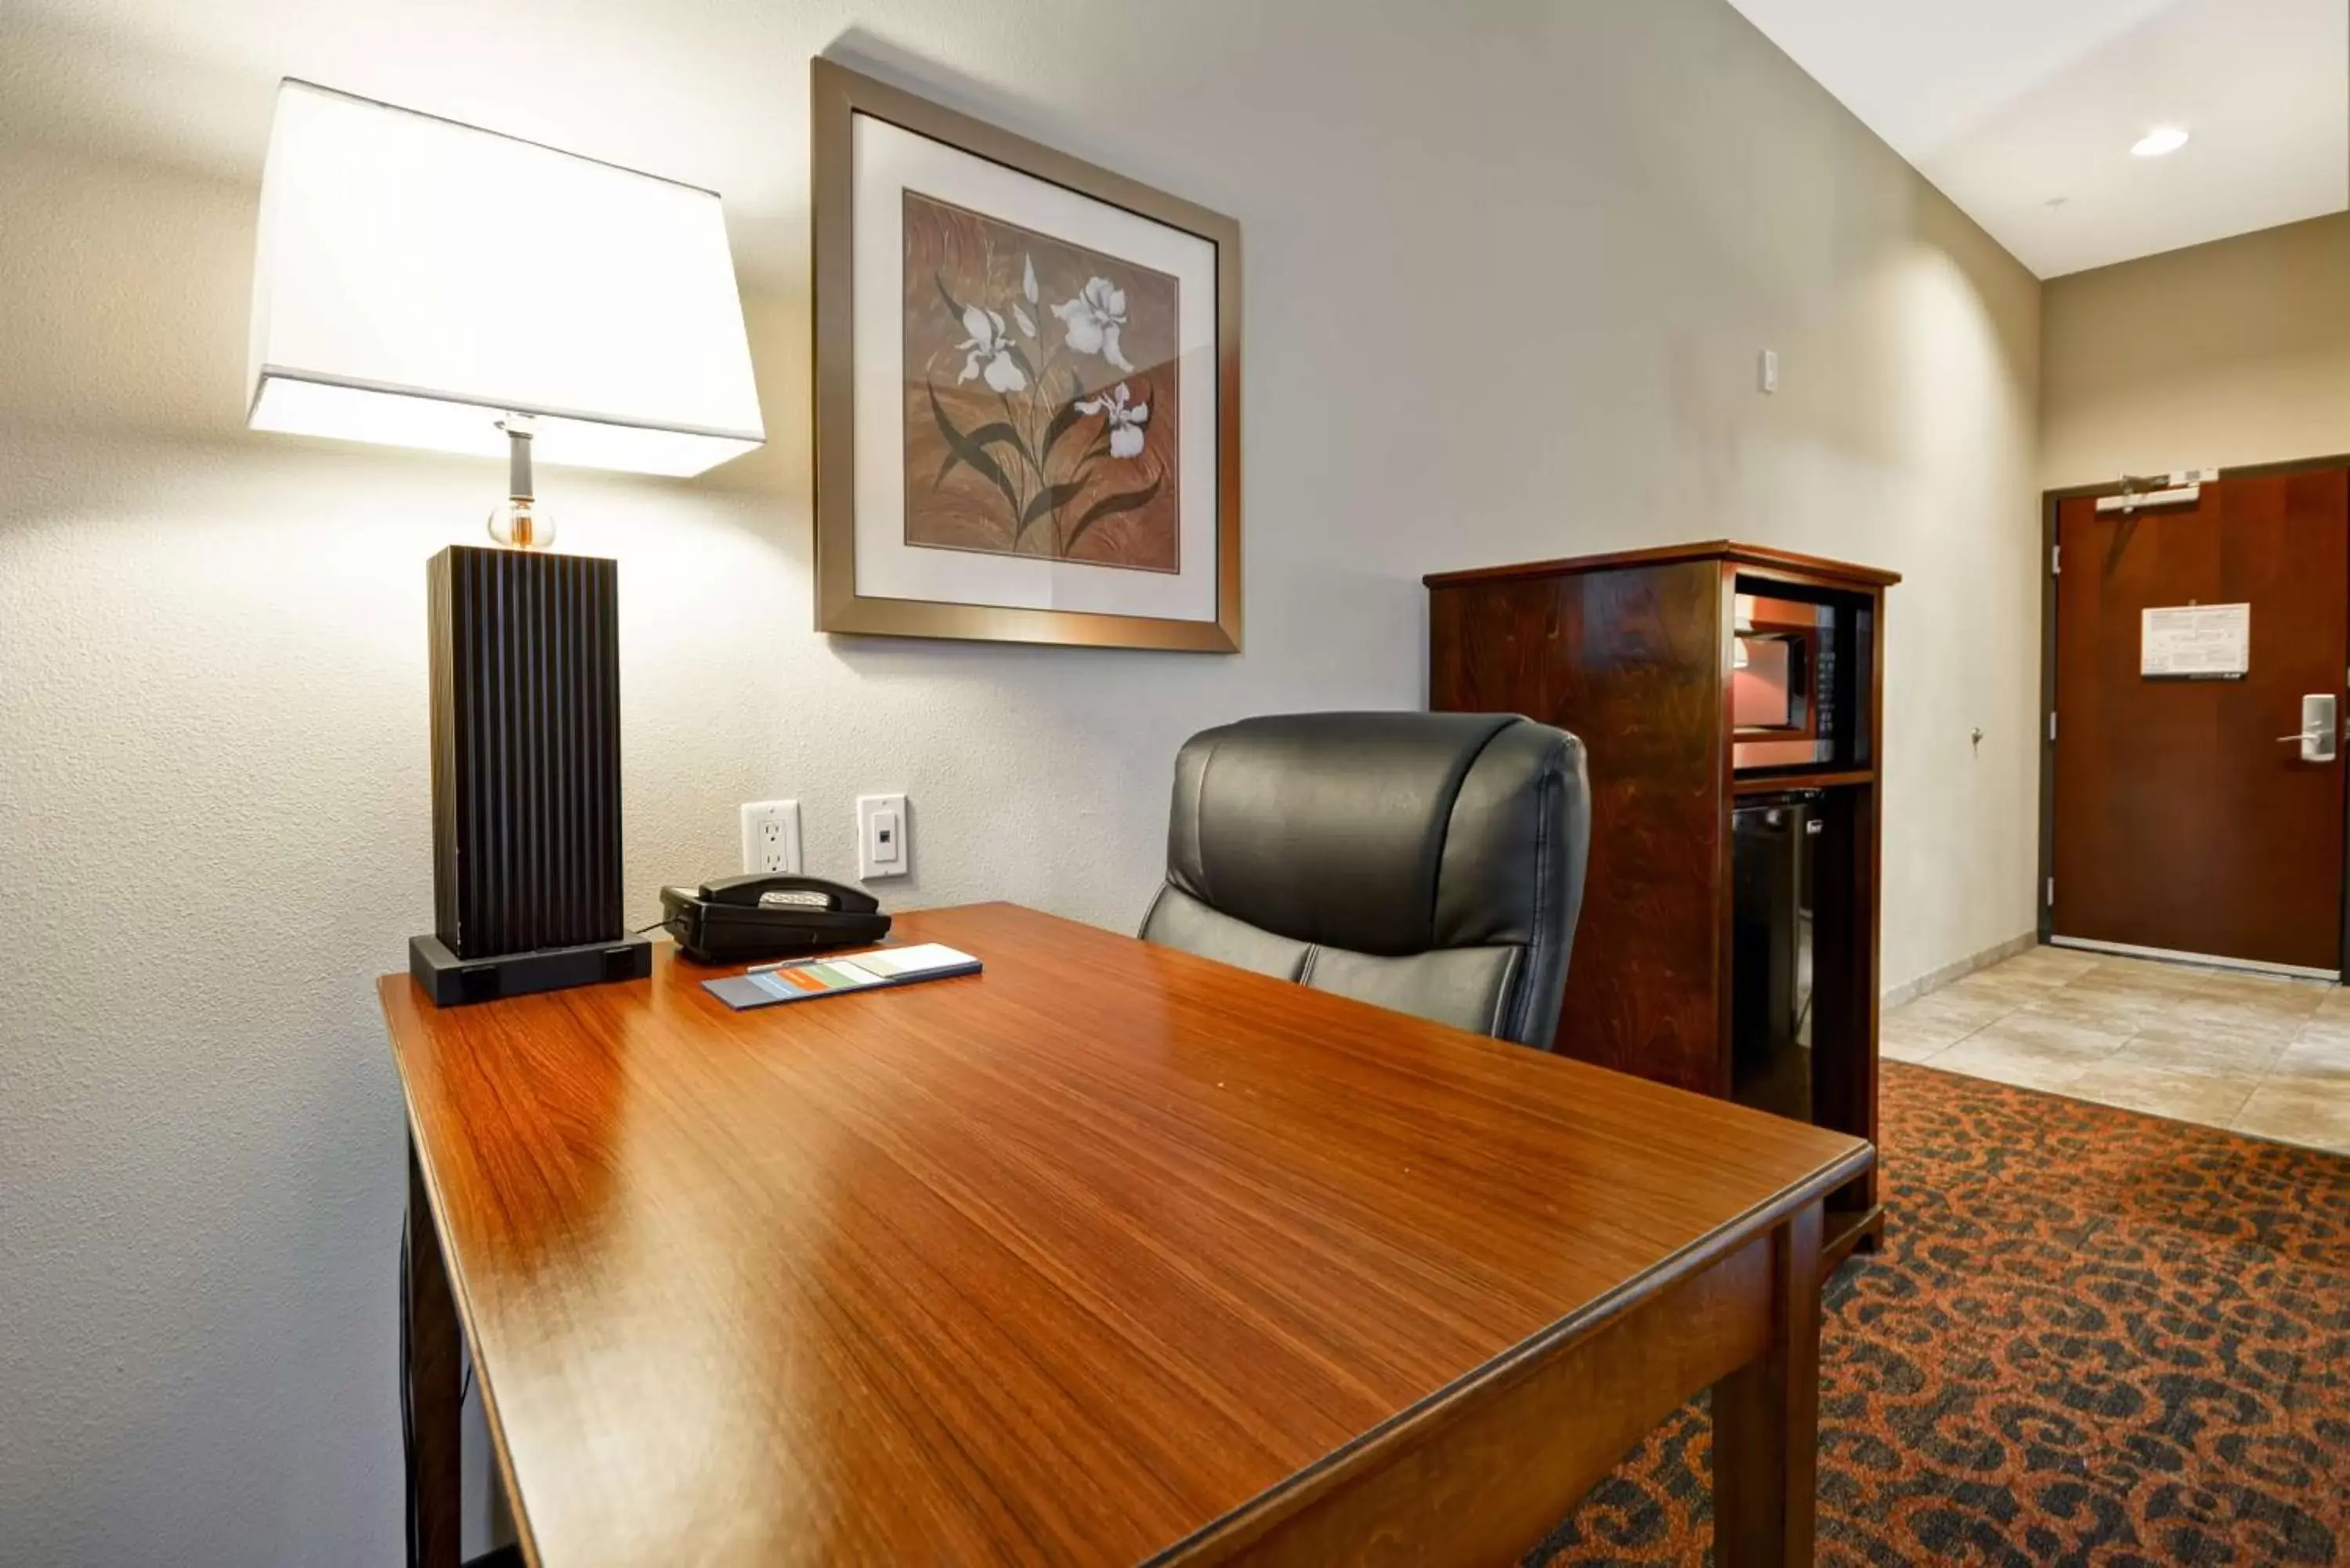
(1086, 483)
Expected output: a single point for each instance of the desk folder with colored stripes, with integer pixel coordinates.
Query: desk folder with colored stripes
(803, 979)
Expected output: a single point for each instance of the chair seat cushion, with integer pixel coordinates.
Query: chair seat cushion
(1465, 987)
(1179, 920)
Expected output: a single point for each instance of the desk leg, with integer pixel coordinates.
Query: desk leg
(1766, 1418)
(430, 1353)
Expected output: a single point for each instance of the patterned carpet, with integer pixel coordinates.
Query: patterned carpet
(2094, 1338)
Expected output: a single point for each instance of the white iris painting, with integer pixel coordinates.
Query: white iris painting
(1041, 395)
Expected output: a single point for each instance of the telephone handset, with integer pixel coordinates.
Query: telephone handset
(771, 890)
(762, 915)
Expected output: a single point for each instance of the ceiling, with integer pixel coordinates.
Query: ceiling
(2023, 111)
(2006, 105)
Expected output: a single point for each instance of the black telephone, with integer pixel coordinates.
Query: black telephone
(762, 915)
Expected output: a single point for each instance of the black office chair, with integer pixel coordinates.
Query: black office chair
(1431, 863)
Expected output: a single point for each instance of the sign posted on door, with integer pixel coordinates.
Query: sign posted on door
(2207, 642)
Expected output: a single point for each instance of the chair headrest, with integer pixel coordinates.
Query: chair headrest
(1364, 830)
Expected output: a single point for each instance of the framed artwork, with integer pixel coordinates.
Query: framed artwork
(1027, 388)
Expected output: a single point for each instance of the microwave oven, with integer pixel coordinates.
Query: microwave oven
(1793, 694)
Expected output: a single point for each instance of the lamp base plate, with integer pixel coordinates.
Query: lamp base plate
(452, 981)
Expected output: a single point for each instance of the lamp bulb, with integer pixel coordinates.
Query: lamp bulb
(524, 524)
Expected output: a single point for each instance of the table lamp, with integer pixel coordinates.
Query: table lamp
(422, 283)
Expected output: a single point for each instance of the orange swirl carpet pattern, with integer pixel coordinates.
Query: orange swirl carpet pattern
(2094, 1338)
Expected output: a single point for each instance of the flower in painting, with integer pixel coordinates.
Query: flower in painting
(1094, 319)
(989, 352)
(1028, 278)
(1126, 420)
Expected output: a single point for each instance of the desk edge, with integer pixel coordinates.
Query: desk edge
(387, 986)
(1371, 1446)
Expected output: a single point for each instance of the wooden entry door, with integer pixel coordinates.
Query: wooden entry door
(2181, 821)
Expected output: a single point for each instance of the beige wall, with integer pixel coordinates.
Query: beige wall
(2234, 352)
(1509, 268)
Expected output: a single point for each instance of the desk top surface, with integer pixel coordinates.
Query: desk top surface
(1062, 1263)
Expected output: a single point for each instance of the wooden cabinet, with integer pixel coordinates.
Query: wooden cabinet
(1700, 677)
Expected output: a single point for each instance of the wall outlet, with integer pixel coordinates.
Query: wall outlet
(884, 845)
(771, 836)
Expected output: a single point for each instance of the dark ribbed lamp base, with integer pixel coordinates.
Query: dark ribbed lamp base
(525, 668)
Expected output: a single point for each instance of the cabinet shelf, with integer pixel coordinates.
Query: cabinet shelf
(1771, 784)
(1844, 1231)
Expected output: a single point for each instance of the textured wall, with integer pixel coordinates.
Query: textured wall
(2234, 352)
(1508, 270)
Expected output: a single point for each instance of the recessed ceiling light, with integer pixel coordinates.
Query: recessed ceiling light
(2158, 142)
(2056, 201)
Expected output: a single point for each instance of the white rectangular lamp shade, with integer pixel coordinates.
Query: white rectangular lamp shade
(416, 280)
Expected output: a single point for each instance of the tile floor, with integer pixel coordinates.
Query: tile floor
(2256, 1053)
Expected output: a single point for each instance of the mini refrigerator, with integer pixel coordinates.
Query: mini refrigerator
(1771, 852)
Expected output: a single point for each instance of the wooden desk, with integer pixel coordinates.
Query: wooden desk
(1111, 1254)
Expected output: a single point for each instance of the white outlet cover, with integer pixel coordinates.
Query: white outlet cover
(885, 840)
(771, 836)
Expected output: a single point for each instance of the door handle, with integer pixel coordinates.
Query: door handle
(2317, 736)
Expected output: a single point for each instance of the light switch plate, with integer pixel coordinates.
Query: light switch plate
(885, 845)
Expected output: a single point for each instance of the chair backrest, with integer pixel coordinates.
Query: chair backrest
(1431, 863)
